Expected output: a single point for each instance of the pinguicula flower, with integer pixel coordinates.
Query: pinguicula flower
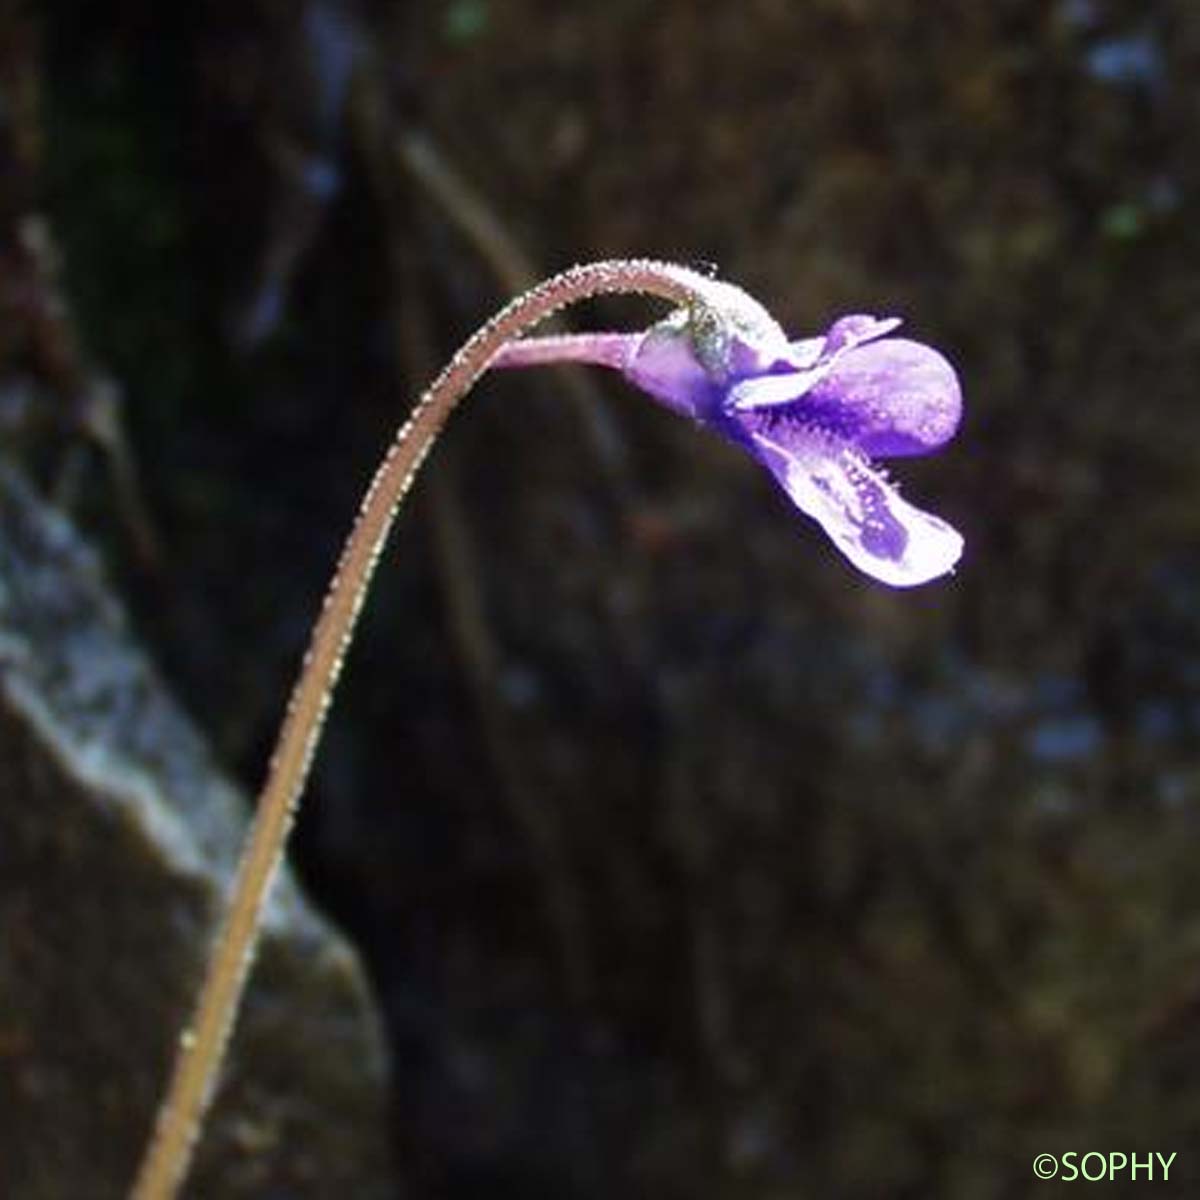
(817, 413)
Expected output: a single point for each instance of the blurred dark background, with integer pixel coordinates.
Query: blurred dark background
(685, 862)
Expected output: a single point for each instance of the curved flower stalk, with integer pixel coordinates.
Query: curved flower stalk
(816, 413)
(811, 411)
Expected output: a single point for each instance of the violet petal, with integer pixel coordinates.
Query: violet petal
(878, 531)
(771, 391)
(896, 397)
(664, 363)
(854, 330)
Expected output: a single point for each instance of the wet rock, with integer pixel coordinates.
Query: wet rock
(118, 837)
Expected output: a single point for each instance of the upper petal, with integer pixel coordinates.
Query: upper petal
(853, 330)
(895, 397)
(878, 531)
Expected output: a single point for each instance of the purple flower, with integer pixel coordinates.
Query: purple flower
(817, 414)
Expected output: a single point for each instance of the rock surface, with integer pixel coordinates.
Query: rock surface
(118, 837)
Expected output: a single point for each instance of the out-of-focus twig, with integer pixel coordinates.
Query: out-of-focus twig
(310, 56)
(462, 589)
(99, 415)
(538, 822)
(689, 833)
(40, 337)
(476, 221)
(515, 271)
